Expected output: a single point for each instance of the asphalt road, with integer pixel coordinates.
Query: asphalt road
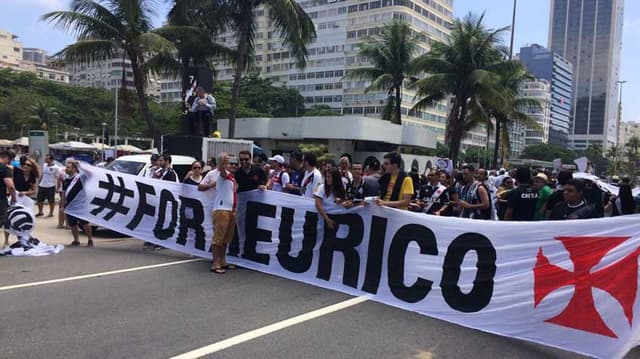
(166, 311)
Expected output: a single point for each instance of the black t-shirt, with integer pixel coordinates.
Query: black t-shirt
(355, 193)
(583, 211)
(4, 173)
(250, 181)
(523, 201)
(556, 197)
(169, 175)
(191, 181)
(296, 177)
(22, 184)
(433, 204)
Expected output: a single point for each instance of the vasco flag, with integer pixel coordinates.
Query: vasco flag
(570, 284)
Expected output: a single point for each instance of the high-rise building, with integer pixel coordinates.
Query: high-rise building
(538, 90)
(108, 73)
(545, 64)
(588, 33)
(341, 25)
(520, 135)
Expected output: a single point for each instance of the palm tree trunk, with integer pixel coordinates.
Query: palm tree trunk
(398, 104)
(241, 65)
(457, 132)
(143, 105)
(496, 146)
(452, 118)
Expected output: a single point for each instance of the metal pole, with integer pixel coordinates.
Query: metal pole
(115, 134)
(103, 156)
(513, 28)
(619, 119)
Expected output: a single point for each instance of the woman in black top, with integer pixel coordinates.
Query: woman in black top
(25, 178)
(195, 175)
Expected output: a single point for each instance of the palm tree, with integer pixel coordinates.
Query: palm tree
(505, 106)
(633, 143)
(104, 27)
(44, 113)
(613, 153)
(460, 67)
(391, 53)
(192, 37)
(289, 20)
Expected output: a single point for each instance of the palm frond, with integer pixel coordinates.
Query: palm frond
(87, 50)
(295, 26)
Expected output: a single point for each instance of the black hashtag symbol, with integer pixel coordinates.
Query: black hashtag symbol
(108, 202)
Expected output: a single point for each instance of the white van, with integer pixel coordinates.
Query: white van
(137, 164)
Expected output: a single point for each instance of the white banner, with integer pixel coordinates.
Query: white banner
(571, 284)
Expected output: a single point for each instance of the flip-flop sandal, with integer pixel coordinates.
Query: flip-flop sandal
(229, 266)
(218, 270)
(74, 244)
(90, 244)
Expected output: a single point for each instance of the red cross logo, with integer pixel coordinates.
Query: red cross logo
(619, 279)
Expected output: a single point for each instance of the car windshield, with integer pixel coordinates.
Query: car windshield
(129, 167)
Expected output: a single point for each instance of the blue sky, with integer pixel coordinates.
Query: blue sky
(21, 17)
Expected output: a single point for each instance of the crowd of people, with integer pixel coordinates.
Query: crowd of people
(517, 195)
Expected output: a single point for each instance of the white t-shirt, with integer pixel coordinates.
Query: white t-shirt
(279, 180)
(225, 193)
(326, 200)
(211, 177)
(310, 182)
(49, 175)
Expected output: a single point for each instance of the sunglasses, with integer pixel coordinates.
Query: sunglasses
(244, 160)
(196, 168)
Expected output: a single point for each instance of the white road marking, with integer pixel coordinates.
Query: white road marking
(256, 333)
(94, 275)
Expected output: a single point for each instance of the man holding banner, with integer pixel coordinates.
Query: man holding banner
(224, 214)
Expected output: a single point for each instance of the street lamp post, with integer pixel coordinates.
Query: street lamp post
(103, 126)
(115, 131)
(513, 29)
(619, 119)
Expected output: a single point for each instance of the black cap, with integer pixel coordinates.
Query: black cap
(154, 157)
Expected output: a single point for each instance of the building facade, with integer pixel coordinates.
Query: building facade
(108, 73)
(588, 33)
(628, 130)
(539, 91)
(341, 25)
(10, 50)
(18, 58)
(34, 55)
(521, 135)
(545, 64)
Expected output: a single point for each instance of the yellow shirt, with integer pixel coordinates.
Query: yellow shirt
(407, 188)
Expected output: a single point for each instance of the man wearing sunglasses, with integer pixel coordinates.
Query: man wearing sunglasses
(249, 177)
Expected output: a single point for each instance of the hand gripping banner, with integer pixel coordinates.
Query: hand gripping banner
(570, 284)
